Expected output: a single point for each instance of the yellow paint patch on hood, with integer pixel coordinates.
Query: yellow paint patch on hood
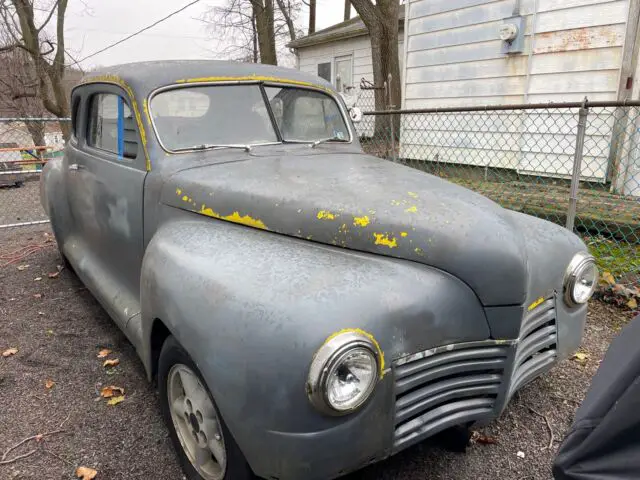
(361, 221)
(235, 217)
(178, 191)
(403, 234)
(412, 194)
(385, 239)
(412, 209)
(326, 215)
(366, 334)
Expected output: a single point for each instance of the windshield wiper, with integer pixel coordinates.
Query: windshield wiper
(207, 146)
(324, 140)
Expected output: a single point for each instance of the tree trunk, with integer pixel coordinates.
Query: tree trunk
(36, 130)
(312, 16)
(381, 21)
(263, 10)
(254, 37)
(347, 10)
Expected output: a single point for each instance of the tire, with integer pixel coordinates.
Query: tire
(175, 370)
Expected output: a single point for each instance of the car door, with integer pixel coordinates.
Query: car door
(106, 175)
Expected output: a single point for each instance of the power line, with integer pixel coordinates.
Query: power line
(137, 32)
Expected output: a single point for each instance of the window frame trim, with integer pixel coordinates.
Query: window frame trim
(261, 84)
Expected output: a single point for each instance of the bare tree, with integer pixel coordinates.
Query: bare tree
(381, 20)
(347, 10)
(265, 27)
(255, 30)
(312, 16)
(19, 92)
(47, 54)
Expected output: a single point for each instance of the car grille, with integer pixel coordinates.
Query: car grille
(444, 387)
(537, 345)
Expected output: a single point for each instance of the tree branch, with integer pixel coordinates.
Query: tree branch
(44, 24)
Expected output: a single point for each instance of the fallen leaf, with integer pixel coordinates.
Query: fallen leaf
(22, 267)
(86, 473)
(37, 279)
(38, 437)
(485, 440)
(111, 363)
(103, 353)
(520, 454)
(37, 295)
(60, 267)
(40, 313)
(580, 356)
(49, 383)
(49, 332)
(116, 400)
(608, 278)
(9, 352)
(53, 275)
(632, 304)
(112, 391)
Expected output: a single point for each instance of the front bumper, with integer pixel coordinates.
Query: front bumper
(430, 391)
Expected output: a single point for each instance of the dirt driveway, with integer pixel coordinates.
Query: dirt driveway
(58, 329)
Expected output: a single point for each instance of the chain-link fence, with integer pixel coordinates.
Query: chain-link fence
(575, 164)
(25, 146)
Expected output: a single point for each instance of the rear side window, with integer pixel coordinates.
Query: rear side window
(111, 126)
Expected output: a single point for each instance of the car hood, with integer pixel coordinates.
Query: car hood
(364, 203)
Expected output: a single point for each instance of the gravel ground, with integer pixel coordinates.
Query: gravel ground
(58, 329)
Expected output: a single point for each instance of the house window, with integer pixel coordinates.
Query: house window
(324, 71)
(344, 73)
(111, 126)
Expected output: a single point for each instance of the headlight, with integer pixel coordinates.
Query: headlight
(580, 280)
(343, 373)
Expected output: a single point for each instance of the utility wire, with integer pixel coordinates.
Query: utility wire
(137, 32)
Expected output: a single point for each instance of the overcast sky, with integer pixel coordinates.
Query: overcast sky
(94, 24)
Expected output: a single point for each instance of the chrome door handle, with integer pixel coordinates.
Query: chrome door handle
(75, 166)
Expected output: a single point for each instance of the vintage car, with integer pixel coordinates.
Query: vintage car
(306, 309)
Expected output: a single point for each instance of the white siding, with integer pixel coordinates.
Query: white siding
(454, 58)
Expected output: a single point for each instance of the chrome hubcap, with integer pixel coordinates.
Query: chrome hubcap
(196, 422)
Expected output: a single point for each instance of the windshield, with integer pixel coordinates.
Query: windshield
(232, 115)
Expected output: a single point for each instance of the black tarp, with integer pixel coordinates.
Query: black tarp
(604, 440)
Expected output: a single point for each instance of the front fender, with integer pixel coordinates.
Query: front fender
(252, 307)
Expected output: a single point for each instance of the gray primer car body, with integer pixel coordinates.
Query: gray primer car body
(253, 259)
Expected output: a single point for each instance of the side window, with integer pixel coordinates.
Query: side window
(111, 126)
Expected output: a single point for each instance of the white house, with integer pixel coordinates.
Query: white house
(456, 55)
(341, 54)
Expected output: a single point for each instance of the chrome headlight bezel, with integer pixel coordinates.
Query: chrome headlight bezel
(331, 354)
(579, 263)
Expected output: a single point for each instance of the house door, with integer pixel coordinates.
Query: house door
(344, 73)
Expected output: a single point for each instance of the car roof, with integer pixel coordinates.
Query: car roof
(144, 77)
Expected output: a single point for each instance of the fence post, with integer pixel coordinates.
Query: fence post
(392, 131)
(577, 165)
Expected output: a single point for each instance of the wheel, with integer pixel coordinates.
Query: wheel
(205, 448)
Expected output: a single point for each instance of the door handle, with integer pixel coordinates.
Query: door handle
(75, 166)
